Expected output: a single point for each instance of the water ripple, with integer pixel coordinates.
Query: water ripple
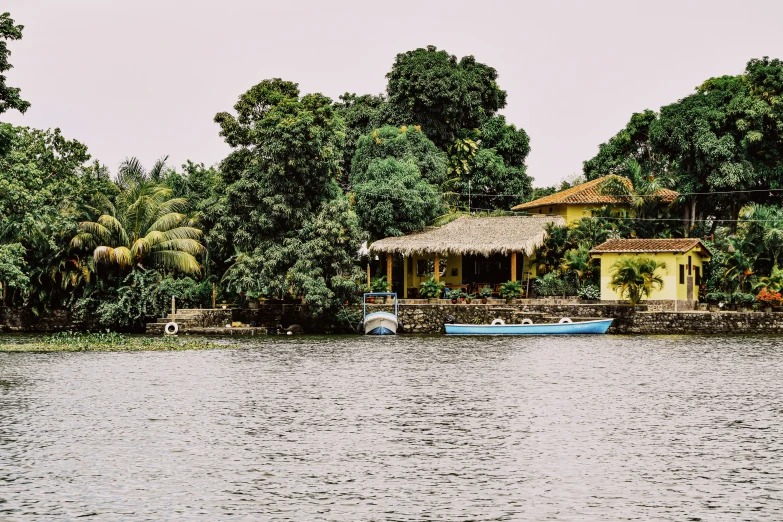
(399, 429)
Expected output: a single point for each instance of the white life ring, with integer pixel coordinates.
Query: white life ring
(526, 321)
(565, 320)
(498, 321)
(171, 328)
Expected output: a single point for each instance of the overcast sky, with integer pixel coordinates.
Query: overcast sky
(145, 78)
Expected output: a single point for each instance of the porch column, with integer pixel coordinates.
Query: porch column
(437, 267)
(389, 271)
(513, 266)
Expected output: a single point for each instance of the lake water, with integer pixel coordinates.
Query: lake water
(406, 428)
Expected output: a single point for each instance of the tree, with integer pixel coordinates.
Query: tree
(9, 96)
(433, 89)
(294, 229)
(408, 144)
(490, 184)
(392, 199)
(285, 161)
(145, 229)
(12, 265)
(635, 277)
(489, 165)
(632, 142)
(361, 114)
(45, 182)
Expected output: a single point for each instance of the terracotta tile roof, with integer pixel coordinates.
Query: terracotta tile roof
(649, 245)
(589, 193)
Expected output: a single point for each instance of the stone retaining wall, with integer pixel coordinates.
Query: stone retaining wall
(20, 320)
(429, 318)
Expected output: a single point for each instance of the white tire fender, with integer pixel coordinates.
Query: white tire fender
(171, 328)
(565, 320)
(498, 321)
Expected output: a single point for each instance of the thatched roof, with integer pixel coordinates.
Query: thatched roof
(590, 193)
(474, 235)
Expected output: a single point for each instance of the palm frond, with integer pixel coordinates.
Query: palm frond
(166, 222)
(190, 246)
(184, 233)
(123, 257)
(175, 260)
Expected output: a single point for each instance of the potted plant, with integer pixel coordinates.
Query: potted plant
(715, 300)
(431, 290)
(454, 295)
(744, 301)
(511, 291)
(485, 293)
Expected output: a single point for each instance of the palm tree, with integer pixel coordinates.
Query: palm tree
(739, 263)
(146, 228)
(635, 277)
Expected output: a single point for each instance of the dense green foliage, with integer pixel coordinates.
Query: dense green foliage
(308, 180)
(724, 137)
(9, 96)
(444, 95)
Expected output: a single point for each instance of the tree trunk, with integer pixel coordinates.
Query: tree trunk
(693, 213)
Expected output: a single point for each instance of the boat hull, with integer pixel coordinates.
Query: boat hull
(584, 327)
(380, 323)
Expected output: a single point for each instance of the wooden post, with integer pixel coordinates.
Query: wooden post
(513, 266)
(214, 295)
(389, 271)
(437, 267)
(173, 307)
(368, 276)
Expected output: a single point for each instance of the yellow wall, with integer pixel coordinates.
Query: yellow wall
(672, 289)
(573, 212)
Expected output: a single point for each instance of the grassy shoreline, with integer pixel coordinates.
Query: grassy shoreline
(107, 342)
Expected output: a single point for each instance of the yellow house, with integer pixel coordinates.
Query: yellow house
(682, 276)
(572, 204)
(467, 253)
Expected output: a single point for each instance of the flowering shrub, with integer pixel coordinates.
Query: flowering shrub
(769, 297)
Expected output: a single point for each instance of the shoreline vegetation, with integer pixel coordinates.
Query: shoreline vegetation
(108, 342)
(308, 180)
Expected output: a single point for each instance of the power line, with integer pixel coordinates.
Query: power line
(628, 196)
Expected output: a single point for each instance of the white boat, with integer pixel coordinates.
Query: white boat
(380, 323)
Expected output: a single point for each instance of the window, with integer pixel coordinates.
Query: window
(689, 265)
(682, 274)
(698, 275)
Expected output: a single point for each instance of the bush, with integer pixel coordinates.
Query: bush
(431, 289)
(511, 290)
(552, 284)
(769, 297)
(590, 292)
(379, 284)
(715, 298)
(743, 299)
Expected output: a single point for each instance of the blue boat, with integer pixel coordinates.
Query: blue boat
(380, 323)
(498, 327)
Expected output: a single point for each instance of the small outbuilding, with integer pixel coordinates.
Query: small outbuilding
(682, 277)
